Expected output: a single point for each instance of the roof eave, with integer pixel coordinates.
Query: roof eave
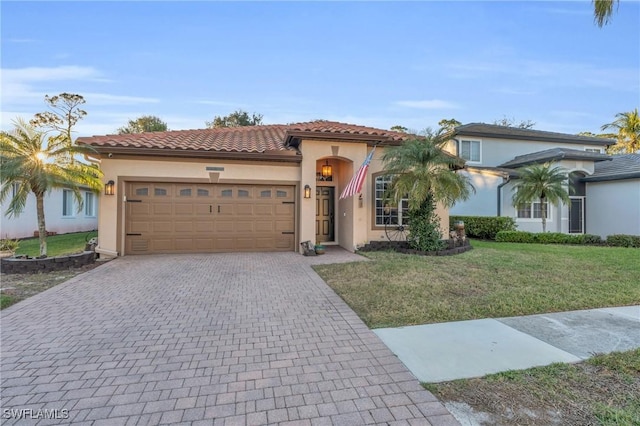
(599, 142)
(292, 135)
(620, 176)
(286, 156)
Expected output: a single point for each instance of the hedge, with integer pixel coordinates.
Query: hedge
(618, 240)
(621, 240)
(484, 227)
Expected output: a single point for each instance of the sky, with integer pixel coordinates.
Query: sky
(376, 64)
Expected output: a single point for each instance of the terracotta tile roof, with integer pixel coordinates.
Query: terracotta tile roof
(229, 139)
(249, 139)
(335, 127)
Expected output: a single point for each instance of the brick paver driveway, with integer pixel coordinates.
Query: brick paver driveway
(205, 339)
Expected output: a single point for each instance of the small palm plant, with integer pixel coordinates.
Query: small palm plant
(423, 173)
(37, 166)
(541, 183)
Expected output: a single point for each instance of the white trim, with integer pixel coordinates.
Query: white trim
(594, 149)
(70, 210)
(479, 141)
(535, 219)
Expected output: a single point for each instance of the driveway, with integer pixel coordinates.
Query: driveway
(203, 339)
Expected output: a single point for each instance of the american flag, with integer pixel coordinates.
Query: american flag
(355, 184)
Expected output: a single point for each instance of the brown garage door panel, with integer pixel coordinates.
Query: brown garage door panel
(183, 218)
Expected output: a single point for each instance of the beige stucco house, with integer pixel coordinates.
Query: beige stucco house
(258, 188)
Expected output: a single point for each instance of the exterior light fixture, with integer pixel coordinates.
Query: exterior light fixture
(307, 191)
(110, 188)
(327, 170)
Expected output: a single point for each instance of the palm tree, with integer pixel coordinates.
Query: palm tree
(627, 124)
(542, 183)
(37, 167)
(602, 11)
(424, 173)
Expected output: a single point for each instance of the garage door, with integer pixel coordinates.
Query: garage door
(198, 218)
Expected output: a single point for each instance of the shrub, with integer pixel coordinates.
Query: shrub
(592, 239)
(9, 245)
(622, 240)
(546, 238)
(484, 227)
(515, 237)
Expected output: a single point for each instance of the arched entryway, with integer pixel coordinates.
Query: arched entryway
(332, 174)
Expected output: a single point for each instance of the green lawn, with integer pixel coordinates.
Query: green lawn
(604, 389)
(57, 245)
(493, 280)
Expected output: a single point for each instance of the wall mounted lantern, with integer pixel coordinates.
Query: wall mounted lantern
(307, 191)
(110, 188)
(327, 170)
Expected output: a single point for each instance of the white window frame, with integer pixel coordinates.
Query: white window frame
(533, 209)
(592, 149)
(89, 204)
(15, 186)
(400, 209)
(471, 142)
(68, 208)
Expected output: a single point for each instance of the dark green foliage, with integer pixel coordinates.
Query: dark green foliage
(484, 227)
(560, 238)
(621, 240)
(514, 237)
(425, 230)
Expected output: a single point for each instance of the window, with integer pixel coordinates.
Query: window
(67, 203)
(385, 212)
(89, 204)
(203, 192)
(143, 192)
(470, 150)
(185, 192)
(243, 193)
(598, 150)
(532, 211)
(265, 194)
(160, 192)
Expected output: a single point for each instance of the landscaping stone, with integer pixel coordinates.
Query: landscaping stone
(13, 265)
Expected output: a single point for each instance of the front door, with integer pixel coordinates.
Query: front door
(576, 215)
(324, 214)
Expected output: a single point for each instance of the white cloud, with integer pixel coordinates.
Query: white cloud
(106, 99)
(428, 104)
(30, 74)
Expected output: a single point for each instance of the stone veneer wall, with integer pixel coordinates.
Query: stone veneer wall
(10, 265)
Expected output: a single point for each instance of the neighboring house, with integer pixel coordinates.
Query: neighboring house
(258, 188)
(494, 153)
(61, 214)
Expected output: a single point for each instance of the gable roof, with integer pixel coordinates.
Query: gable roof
(273, 142)
(620, 167)
(505, 132)
(554, 154)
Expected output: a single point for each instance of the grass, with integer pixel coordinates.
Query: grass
(602, 390)
(57, 245)
(493, 280)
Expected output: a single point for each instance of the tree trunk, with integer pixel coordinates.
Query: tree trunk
(42, 228)
(543, 214)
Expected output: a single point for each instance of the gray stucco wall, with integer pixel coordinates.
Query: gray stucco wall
(613, 207)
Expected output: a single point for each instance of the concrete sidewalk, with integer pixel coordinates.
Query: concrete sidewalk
(465, 349)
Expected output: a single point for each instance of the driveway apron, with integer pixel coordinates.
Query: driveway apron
(249, 339)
